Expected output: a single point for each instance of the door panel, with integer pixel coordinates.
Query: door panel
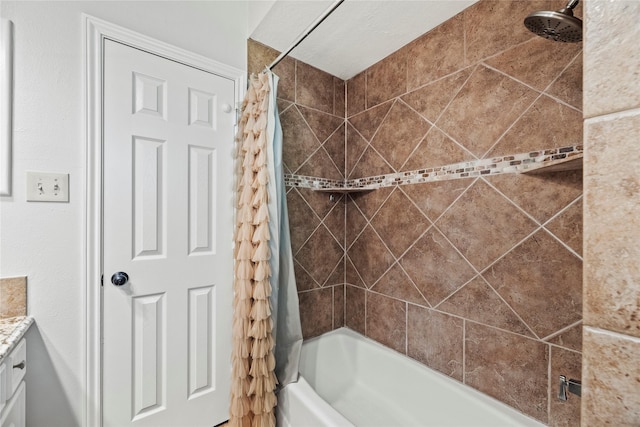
(168, 221)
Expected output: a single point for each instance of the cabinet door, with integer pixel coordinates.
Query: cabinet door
(15, 412)
(3, 386)
(16, 366)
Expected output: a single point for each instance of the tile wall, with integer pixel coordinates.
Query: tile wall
(479, 278)
(311, 105)
(611, 370)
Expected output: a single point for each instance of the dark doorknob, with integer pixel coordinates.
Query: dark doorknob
(120, 278)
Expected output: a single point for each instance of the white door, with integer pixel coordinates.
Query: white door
(168, 221)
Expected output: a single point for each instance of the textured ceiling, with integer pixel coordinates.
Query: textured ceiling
(356, 35)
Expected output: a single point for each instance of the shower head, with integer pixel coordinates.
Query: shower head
(559, 26)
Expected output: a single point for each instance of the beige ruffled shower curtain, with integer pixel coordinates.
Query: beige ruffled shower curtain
(253, 380)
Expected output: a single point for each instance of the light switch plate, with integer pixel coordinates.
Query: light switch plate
(47, 187)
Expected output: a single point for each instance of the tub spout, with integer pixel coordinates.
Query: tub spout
(571, 385)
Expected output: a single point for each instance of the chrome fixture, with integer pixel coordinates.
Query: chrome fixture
(560, 26)
(573, 386)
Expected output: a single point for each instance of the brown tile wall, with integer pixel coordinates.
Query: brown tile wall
(480, 279)
(477, 278)
(611, 367)
(311, 105)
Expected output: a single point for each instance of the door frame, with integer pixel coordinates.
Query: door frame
(96, 31)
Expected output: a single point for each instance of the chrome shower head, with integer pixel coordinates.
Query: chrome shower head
(559, 26)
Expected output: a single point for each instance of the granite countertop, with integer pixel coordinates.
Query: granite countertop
(12, 330)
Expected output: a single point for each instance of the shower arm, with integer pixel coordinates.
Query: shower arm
(572, 4)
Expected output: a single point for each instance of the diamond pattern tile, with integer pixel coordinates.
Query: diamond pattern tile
(337, 276)
(304, 282)
(369, 202)
(297, 139)
(371, 163)
(355, 222)
(286, 69)
(485, 107)
(387, 79)
(396, 284)
(302, 220)
(540, 195)
(436, 149)
(535, 62)
(435, 267)
(471, 96)
(370, 256)
(562, 127)
(542, 281)
(334, 221)
(321, 124)
(568, 226)
(570, 338)
(339, 102)
(435, 197)
(320, 254)
(446, 43)
(483, 225)
(283, 105)
(356, 145)
(319, 202)
(314, 87)
(320, 164)
(352, 276)
(568, 87)
(335, 146)
(356, 87)
(401, 124)
(399, 223)
(479, 302)
(367, 122)
(432, 99)
(485, 19)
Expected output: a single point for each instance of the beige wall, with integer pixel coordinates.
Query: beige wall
(611, 364)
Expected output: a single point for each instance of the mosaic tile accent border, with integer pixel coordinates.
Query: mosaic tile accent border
(514, 163)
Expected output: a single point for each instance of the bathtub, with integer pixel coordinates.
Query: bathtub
(349, 380)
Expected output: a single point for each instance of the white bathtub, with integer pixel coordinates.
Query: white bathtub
(349, 380)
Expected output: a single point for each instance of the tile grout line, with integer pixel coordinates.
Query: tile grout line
(549, 383)
(512, 125)
(406, 328)
(457, 316)
(464, 350)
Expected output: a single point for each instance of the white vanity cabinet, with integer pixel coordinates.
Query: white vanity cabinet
(12, 387)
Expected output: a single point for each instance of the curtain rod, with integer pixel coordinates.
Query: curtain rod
(306, 32)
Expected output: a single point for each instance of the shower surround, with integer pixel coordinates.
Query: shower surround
(479, 278)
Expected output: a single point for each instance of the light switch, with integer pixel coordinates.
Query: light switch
(47, 187)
